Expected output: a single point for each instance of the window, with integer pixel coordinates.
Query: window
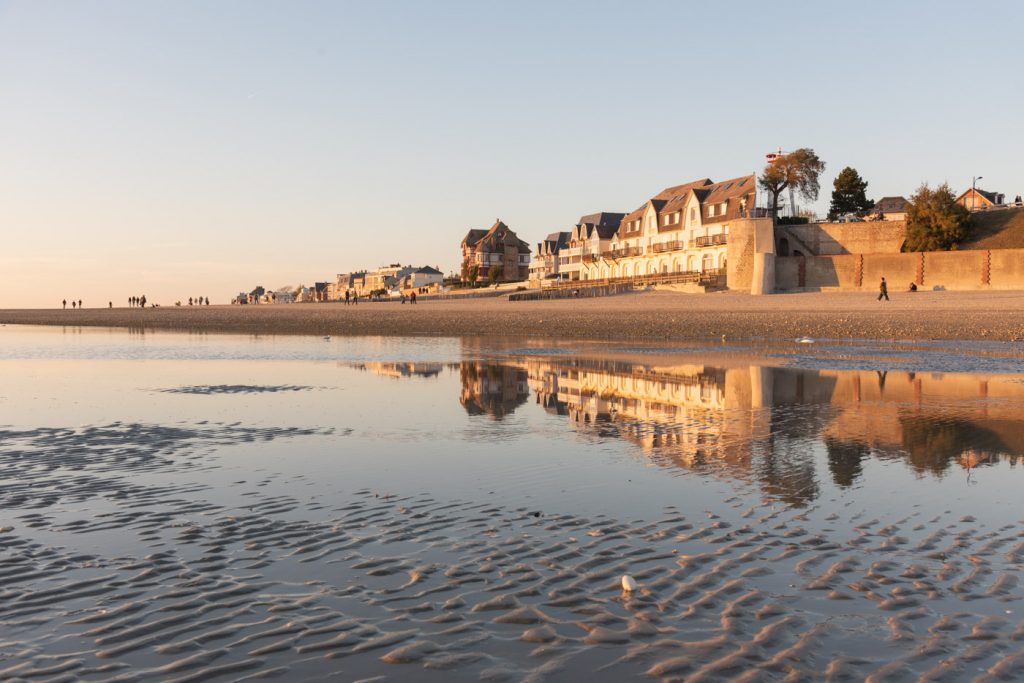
(721, 208)
(711, 210)
(693, 214)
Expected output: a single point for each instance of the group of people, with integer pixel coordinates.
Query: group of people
(351, 297)
(411, 297)
(198, 301)
(137, 301)
(64, 303)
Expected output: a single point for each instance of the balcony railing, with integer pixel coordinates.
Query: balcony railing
(591, 258)
(625, 251)
(674, 245)
(710, 240)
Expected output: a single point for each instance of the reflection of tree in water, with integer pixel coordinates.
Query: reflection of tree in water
(492, 389)
(933, 444)
(845, 460)
(785, 468)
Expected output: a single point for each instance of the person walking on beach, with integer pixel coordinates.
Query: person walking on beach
(883, 290)
(346, 297)
(207, 301)
(110, 304)
(142, 301)
(64, 304)
(79, 304)
(412, 298)
(72, 304)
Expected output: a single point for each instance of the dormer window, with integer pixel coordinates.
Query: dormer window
(721, 208)
(711, 210)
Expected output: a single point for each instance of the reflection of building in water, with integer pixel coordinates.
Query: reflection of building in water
(764, 424)
(698, 417)
(491, 388)
(405, 369)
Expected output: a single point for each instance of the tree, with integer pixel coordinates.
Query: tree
(474, 274)
(493, 273)
(799, 170)
(935, 222)
(848, 194)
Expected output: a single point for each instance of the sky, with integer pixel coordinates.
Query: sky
(179, 148)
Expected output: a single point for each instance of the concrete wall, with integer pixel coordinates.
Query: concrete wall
(831, 272)
(899, 270)
(747, 237)
(996, 269)
(1006, 268)
(827, 239)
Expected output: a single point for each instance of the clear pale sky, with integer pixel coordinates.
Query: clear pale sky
(179, 148)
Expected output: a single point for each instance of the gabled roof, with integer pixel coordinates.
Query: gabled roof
(558, 240)
(726, 191)
(603, 219)
(473, 236)
(891, 204)
(496, 239)
(993, 197)
(429, 270)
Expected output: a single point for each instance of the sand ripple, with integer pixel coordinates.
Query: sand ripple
(106, 574)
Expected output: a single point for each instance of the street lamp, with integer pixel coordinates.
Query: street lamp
(974, 182)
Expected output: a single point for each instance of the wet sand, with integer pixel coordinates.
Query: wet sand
(997, 316)
(378, 587)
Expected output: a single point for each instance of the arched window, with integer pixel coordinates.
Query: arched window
(721, 262)
(707, 263)
(689, 264)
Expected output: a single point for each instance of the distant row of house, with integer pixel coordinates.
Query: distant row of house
(387, 281)
(683, 229)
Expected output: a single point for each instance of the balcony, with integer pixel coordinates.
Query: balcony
(674, 245)
(625, 251)
(710, 240)
(591, 258)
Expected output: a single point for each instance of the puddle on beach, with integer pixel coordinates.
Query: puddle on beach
(201, 507)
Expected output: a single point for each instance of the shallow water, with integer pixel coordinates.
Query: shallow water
(199, 507)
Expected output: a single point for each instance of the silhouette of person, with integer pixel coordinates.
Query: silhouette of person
(110, 304)
(79, 303)
(207, 301)
(72, 304)
(64, 303)
(190, 301)
(883, 290)
(142, 301)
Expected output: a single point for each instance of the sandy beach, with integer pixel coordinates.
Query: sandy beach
(655, 315)
(228, 509)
